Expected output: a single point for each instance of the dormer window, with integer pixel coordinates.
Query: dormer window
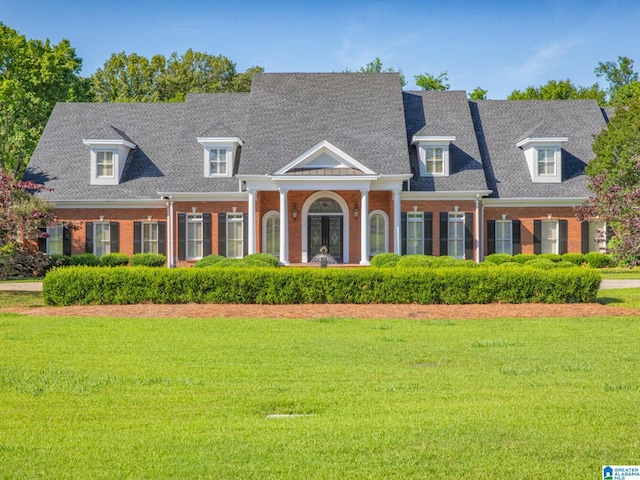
(219, 155)
(544, 158)
(108, 158)
(433, 155)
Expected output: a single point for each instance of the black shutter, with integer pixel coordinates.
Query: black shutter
(88, 243)
(182, 236)
(444, 233)
(206, 234)
(114, 233)
(537, 237)
(42, 241)
(427, 228)
(162, 238)
(137, 237)
(245, 234)
(584, 237)
(491, 237)
(222, 234)
(66, 240)
(468, 236)
(515, 237)
(563, 227)
(403, 233)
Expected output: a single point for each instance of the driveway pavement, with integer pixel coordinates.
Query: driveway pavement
(37, 286)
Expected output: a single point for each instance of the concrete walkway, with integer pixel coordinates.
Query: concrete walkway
(608, 284)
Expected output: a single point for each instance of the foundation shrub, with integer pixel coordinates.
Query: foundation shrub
(114, 260)
(265, 285)
(148, 260)
(85, 259)
(59, 260)
(261, 260)
(499, 258)
(598, 260)
(415, 261)
(540, 263)
(554, 257)
(385, 260)
(523, 257)
(209, 261)
(574, 258)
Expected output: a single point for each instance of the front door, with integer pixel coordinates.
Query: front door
(325, 230)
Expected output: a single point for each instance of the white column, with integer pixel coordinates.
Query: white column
(284, 228)
(364, 227)
(252, 222)
(397, 234)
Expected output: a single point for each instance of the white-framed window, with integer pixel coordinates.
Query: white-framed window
(194, 238)
(271, 233)
(547, 163)
(149, 239)
(378, 233)
(101, 238)
(455, 230)
(434, 160)
(549, 240)
(415, 232)
(104, 164)
(504, 237)
(55, 240)
(234, 235)
(597, 236)
(219, 161)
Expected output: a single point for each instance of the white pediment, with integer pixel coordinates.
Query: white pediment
(324, 155)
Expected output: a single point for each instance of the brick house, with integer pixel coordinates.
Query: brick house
(345, 160)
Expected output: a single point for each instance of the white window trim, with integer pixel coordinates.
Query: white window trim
(194, 218)
(107, 242)
(544, 241)
(425, 142)
(420, 216)
(386, 230)
(59, 228)
(598, 236)
(235, 218)
(509, 235)
(120, 150)
(456, 217)
(229, 144)
(265, 218)
(142, 240)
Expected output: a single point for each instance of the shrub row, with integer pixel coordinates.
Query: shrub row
(593, 259)
(109, 260)
(86, 285)
(251, 260)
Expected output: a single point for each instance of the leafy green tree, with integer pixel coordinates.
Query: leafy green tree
(135, 78)
(478, 94)
(34, 76)
(614, 179)
(375, 66)
(559, 90)
(427, 81)
(624, 85)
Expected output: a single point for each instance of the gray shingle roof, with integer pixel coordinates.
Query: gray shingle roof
(445, 114)
(500, 124)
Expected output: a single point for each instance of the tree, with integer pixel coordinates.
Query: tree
(375, 66)
(22, 216)
(623, 81)
(559, 90)
(614, 179)
(34, 76)
(135, 78)
(427, 81)
(478, 94)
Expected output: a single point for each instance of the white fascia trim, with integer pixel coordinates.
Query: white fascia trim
(204, 196)
(324, 178)
(433, 139)
(533, 202)
(208, 141)
(466, 195)
(109, 203)
(324, 145)
(541, 141)
(92, 142)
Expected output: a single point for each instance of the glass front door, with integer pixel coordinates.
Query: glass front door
(325, 230)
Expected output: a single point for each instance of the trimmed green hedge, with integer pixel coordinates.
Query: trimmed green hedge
(121, 285)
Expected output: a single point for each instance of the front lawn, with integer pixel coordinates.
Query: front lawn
(329, 398)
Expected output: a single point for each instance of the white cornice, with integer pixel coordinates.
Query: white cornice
(464, 195)
(433, 139)
(96, 142)
(541, 141)
(206, 141)
(533, 202)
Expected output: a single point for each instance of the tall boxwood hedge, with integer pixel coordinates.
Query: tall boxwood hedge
(121, 285)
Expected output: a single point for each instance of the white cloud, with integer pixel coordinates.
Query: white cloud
(543, 62)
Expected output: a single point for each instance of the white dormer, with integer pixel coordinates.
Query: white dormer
(544, 158)
(219, 155)
(108, 158)
(433, 155)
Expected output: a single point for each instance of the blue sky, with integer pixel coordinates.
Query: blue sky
(496, 44)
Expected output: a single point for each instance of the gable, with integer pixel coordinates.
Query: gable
(324, 159)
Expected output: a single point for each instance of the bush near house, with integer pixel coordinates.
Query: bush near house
(252, 260)
(120, 285)
(114, 260)
(148, 260)
(385, 260)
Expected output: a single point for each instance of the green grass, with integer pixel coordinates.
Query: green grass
(191, 398)
(21, 299)
(620, 273)
(620, 297)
